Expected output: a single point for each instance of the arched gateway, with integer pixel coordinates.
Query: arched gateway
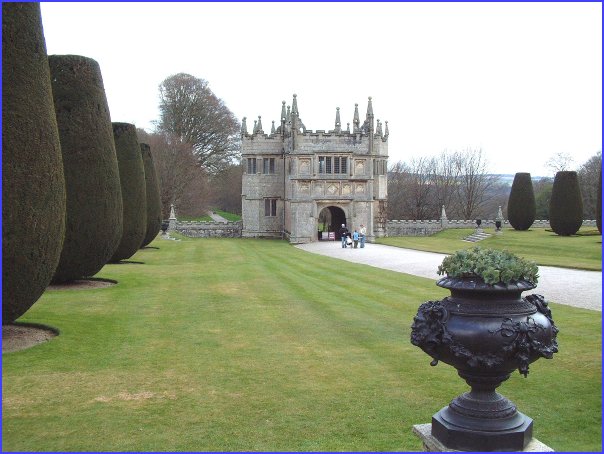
(330, 219)
(295, 179)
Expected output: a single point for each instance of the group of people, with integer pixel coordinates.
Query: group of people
(353, 239)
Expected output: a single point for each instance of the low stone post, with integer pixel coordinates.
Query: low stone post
(172, 218)
(444, 222)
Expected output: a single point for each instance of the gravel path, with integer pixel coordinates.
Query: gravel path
(560, 285)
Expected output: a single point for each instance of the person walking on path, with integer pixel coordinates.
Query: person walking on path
(355, 238)
(362, 233)
(343, 235)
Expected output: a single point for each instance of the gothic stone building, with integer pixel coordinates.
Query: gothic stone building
(296, 181)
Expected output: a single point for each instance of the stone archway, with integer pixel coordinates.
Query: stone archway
(332, 218)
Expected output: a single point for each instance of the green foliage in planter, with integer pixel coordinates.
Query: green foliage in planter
(153, 196)
(566, 204)
(33, 184)
(92, 180)
(134, 193)
(491, 265)
(521, 203)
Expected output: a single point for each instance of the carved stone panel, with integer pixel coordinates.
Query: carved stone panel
(319, 189)
(359, 167)
(346, 189)
(332, 189)
(304, 166)
(359, 188)
(304, 188)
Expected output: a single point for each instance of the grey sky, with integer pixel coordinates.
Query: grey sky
(520, 80)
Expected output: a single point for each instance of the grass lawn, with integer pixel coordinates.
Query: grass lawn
(231, 345)
(228, 216)
(582, 251)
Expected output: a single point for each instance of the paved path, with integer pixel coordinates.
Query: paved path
(560, 285)
(217, 217)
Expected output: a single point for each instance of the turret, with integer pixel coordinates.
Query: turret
(244, 127)
(356, 123)
(338, 123)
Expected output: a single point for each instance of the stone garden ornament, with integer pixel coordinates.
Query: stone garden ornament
(486, 330)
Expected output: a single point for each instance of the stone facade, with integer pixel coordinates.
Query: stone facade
(295, 178)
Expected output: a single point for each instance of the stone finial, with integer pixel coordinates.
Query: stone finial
(255, 130)
(369, 109)
(172, 214)
(386, 132)
(443, 214)
(348, 128)
(244, 126)
(273, 127)
(289, 114)
(338, 123)
(295, 106)
(378, 129)
(499, 214)
(260, 131)
(356, 123)
(283, 114)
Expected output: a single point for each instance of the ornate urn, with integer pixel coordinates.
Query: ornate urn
(486, 331)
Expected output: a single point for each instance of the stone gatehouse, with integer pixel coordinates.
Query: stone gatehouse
(295, 181)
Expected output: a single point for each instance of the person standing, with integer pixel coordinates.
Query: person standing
(343, 235)
(363, 233)
(355, 238)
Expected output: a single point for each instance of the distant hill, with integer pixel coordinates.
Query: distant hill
(508, 179)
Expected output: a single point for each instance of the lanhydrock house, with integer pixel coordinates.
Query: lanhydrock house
(303, 185)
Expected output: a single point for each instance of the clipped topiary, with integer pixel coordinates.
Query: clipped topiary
(566, 204)
(92, 180)
(153, 196)
(33, 186)
(599, 207)
(132, 180)
(522, 208)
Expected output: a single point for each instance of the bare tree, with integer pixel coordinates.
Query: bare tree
(559, 162)
(589, 174)
(474, 184)
(444, 180)
(190, 111)
(226, 189)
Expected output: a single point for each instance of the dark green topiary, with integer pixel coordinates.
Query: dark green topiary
(132, 180)
(92, 179)
(521, 203)
(33, 186)
(153, 196)
(599, 207)
(566, 204)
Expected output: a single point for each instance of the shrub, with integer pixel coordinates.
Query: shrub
(132, 180)
(153, 196)
(33, 185)
(92, 182)
(491, 265)
(566, 204)
(521, 203)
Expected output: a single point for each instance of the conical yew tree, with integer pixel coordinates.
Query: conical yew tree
(153, 196)
(33, 185)
(92, 180)
(134, 198)
(522, 208)
(599, 206)
(566, 204)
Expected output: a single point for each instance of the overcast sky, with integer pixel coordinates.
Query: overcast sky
(522, 81)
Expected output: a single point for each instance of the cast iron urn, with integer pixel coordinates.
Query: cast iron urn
(485, 331)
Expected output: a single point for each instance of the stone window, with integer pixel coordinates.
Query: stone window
(270, 207)
(380, 166)
(268, 166)
(251, 165)
(333, 165)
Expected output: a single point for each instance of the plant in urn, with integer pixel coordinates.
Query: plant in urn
(486, 330)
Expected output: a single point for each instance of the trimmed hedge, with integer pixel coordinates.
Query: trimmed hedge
(132, 180)
(566, 204)
(33, 185)
(522, 208)
(92, 179)
(153, 196)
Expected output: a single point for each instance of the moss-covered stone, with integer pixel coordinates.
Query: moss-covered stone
(134, 197)
(92, 181)
(33, 185)
(153, 196)
(522, 208)
(566, 204)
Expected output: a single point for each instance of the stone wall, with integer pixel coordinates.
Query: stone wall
(429, 227)
(209, 229)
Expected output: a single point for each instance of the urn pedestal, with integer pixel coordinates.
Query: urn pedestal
(485, 331)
